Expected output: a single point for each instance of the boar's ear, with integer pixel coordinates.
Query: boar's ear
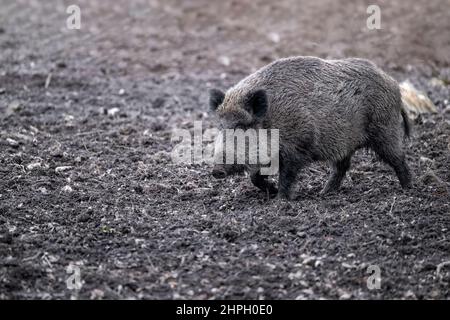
(215, 98)
(257, 102)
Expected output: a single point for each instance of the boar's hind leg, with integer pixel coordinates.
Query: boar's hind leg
(262, 182)
(393, 155)
(337, 175)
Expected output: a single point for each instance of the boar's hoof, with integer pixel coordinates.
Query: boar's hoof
(283, 196)
(271, 189)
(328, 190)
(407, 185)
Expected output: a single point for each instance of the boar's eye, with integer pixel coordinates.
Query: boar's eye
(257, 102)
(216, 98)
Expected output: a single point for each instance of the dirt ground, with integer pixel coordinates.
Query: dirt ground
(86, 177)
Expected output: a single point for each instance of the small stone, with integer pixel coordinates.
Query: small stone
(112, 112)
(274, 37)
(121, 92)
(62, 169)
(225, 61)
(97, 294)
(68, 118)
(409, 295)
(43, 190)
(347, 265)
(345, 296)
(67, 189)
(296, 275)
(84, 217)
(425, 160)
(34, 165)
(12, 142)
(309, 292)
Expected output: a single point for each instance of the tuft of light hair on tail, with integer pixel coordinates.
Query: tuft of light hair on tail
(414, 101)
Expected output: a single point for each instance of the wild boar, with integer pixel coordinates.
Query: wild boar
(324, 110)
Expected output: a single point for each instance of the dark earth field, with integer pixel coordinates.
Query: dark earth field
(86, 177)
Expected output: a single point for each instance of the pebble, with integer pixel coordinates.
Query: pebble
(67, 189)
(274, 37)
(112, 112)
(345, 296)
(12, 142)
(225, 61)
(309, 292)
(34, 165)
(62, 169)
(43, 190)
(425, 160)
(97, 294)
(347, 265)
(84, 217)
(409, 295)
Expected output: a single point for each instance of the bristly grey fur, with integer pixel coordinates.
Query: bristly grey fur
(325, 111)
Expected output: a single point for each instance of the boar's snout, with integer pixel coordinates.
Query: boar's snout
(219, 172)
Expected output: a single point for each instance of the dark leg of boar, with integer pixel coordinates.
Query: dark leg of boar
(395, 157)
(338, 172)
(262, 182)
(387, 145)
(287, 176)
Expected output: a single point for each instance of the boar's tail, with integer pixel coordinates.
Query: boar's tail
(406, 122)
(414, 103)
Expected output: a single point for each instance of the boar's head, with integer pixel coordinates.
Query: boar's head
(237, 110)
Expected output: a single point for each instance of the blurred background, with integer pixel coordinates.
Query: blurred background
(203, 36)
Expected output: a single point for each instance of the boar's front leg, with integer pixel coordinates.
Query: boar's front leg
(338, 172)
(287, 176)
(262, 182)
